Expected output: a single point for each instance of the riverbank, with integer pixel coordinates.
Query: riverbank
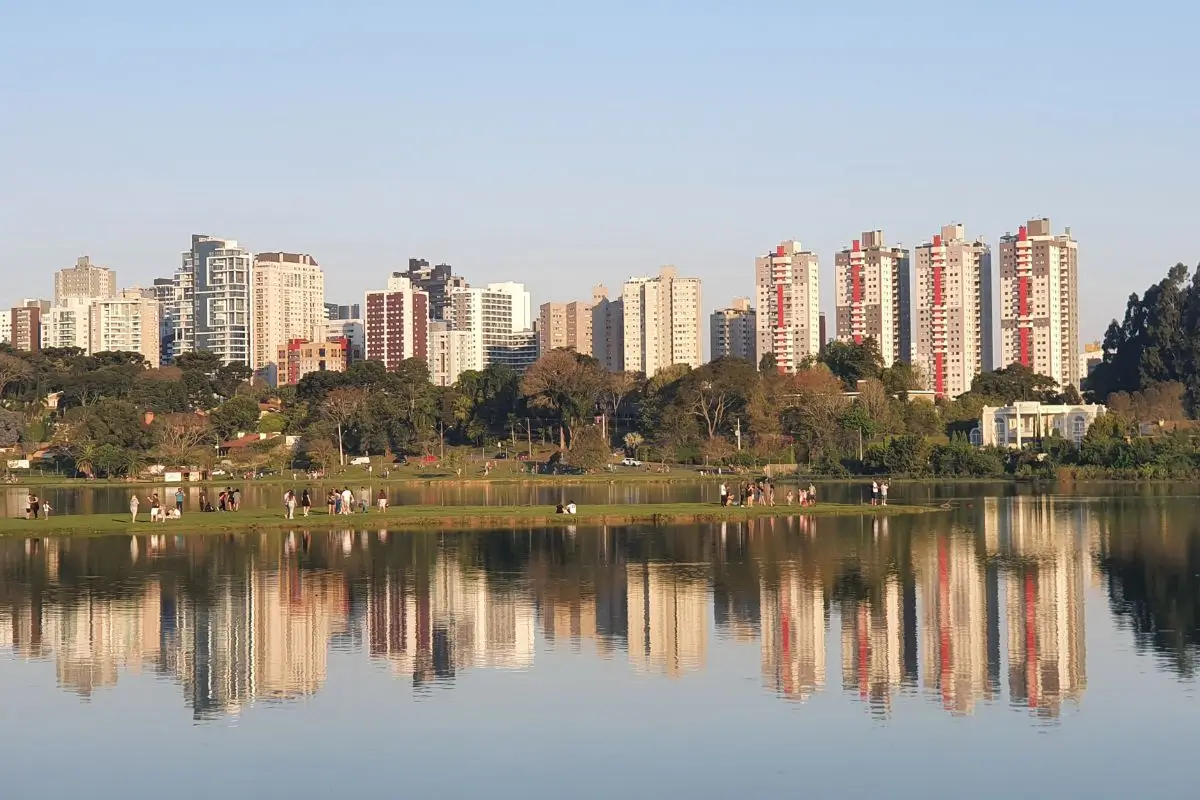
(440, 517)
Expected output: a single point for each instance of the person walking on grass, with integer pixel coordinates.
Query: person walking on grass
(305, 502)
(133, 507)
(364, 500)
(289, 504)
(347, 501)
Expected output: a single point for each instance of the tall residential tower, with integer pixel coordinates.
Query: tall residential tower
(872, 296)
(1039, 301)
(951, 287)
(788, 305)
(662, 322)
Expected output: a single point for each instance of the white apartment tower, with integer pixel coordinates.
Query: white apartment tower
(128, 323)
(661, 322)
(565, 325)
(872, 296)
(952, 293)
(1039, 301)
(499, 318)
(212, 300)
(288, 302)
(788, 305)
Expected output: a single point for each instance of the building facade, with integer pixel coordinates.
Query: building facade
(872, 283)
(953, 323)
(128, 323)
(396, 325)
(298, 358)
(788, 301)
(661, 322)
(733, 332)
(565, 325)
(355, 334)
(212, 303)
(449, 352)
(1029, 422)
(1039, 301)
(499, 320)
(84, 281)
(164, 293)
(25, 328)
(333, 311)
(288, 304)
(68, 324)
(608, 330)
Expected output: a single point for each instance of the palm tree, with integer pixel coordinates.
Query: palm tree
(132, 464)
(85, 459)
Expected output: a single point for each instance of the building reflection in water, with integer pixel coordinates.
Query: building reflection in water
(242, 620)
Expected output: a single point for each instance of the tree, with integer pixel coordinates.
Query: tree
(84, 455)
(716, 391)
(1012, 383)
(13, 370)
(109, 459)
(235, 415)
(589, 451)
(341, 407)
(230, 378)
(852, 363)
(633, 443)
(180, 435)
(901, 378)
(12, 425)
(567, 384)
(814, 404)
(202, 361)
(321, 452)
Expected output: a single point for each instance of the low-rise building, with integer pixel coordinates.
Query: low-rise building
(1026, 422)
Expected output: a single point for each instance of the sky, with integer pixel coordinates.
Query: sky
(565, 144)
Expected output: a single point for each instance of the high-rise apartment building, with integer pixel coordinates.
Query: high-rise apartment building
(437, 281)
(212, 300)
(85, 280)
(128, 323)
(608, 330)
(499, 319)
(164, 294)
(733, 332)
(288, 305)
(565, 325)
(68, 324)
(354, 332)
(872, 296)
(396, 325)
(6, 326)
(788, 302)
(25, 331)
(1039, 301)
(662, 322)
(953, 316)
(450, 352)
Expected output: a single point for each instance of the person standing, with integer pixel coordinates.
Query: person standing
(32, 504)
(724, 495)
(289, 504)
(237, 499)
(383, 500)
(364, 499)
(347, 501)
(874, 493)
(812, 494)
(179, 500)
(305, 502)
(883, 492)
(133, 506)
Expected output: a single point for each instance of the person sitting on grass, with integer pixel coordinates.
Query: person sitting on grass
(571, 508)
(559, 509)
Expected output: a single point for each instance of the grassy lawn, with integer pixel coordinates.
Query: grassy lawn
(425, 517)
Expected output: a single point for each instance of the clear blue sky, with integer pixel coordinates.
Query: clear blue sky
(563, 143)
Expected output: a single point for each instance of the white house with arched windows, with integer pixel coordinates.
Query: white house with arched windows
(1026, 422)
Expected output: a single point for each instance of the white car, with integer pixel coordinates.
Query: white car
(630, 462)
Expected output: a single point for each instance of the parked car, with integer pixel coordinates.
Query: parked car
(630, 462)
(360, 461)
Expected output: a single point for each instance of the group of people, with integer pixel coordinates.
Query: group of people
(35, 506)
(569, 508)
(336, 502)
(879, 492)
(159, 511)
(762, 492)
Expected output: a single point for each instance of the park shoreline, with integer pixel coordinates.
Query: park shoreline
(440, 518)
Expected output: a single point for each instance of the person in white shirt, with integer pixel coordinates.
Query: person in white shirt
(570, 508)
(724, 495)
(347, 501)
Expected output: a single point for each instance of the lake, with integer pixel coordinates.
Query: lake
(1021, 643)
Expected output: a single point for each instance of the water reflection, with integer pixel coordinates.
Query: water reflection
(912, 608)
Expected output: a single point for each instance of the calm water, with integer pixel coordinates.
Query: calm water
(1032, 645)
